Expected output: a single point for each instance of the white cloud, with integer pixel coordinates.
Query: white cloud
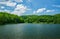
(56, 6)
(3, 0)
(8, 3)
(11, 0)
(20, 9)
(34, 12)
(29, 0)
(5, 11)
(50, 10)
(11, 4)
(43, 10)
(39, 10)
(18, 0)
(2, 7)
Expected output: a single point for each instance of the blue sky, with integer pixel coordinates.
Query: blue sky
(30, 7)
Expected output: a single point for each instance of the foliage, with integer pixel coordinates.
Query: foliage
(6, 18)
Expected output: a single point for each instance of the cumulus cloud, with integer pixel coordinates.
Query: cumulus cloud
(43, 10)
(8, 3)
(39, 10)
(20, 9)
(11, 4)
(50, 10)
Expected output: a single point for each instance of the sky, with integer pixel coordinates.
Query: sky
(30, 7)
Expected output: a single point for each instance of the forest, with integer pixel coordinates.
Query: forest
(6, 18)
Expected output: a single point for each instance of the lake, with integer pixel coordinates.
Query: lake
(30, 31)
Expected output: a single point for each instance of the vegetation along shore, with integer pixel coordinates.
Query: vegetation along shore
(6, 18)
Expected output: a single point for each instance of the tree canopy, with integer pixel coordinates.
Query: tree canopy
(6, 18)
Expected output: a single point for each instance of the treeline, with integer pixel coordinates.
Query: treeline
(6, 18)
(44, 19)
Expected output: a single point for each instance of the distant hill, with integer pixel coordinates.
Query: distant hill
(6, 18)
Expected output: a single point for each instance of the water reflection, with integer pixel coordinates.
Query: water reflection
(30, 31)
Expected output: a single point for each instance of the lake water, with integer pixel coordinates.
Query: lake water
(30, 31)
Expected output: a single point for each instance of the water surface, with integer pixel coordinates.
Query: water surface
(30, 31)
